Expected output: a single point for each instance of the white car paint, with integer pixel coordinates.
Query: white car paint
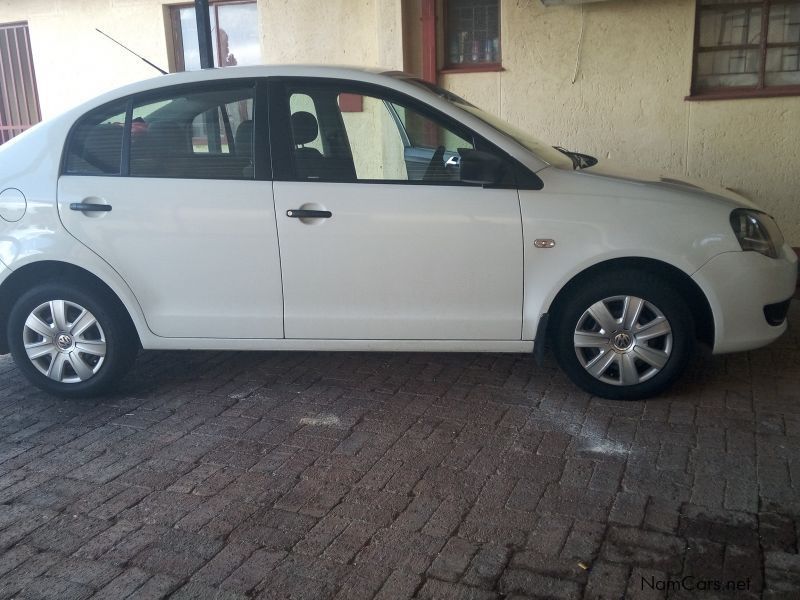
(594, 216)
(371, 262)
(194, 231)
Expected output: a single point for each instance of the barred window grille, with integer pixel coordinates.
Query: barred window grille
(472, 32)
(19, 99)
(747, 46)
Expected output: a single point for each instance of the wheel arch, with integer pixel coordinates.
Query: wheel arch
(30, 274)
(695, 298)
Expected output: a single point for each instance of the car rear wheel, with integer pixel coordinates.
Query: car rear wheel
(70, 341)
(623, 335)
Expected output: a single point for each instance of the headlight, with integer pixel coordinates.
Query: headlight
(756, 231)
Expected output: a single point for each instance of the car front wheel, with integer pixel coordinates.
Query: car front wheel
(69, 341)
(623, 335)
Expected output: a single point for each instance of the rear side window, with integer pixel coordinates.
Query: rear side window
(95, 146)
(194, 135)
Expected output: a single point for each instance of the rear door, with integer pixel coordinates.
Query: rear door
(379, 238)
(172, 189)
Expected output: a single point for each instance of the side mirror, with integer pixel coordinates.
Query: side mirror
(480, 167)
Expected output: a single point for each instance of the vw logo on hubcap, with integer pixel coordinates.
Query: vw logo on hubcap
(63, 341)
(622, 341)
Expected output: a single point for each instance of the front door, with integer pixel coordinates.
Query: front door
(375, 246)
(184, 221)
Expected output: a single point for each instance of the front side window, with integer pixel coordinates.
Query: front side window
(472, 33)
(194, 134)
(234, 35)
(747, 47)
(385, 141)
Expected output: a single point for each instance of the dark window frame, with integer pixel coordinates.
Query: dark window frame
(479, 67)
(178, 62)
(280, 87)
(262, 161)
(761, 90)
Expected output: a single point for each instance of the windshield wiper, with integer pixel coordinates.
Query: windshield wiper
(579, 160)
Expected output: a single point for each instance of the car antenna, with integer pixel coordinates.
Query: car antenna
(159, 69)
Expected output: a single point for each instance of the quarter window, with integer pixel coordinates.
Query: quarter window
(95, 145)
(747, 48)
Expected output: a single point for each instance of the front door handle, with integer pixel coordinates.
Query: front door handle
(300, 213)
(86, 207)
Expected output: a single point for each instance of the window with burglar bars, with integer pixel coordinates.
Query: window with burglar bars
(472, 33)
(747, 48)
(19, 100)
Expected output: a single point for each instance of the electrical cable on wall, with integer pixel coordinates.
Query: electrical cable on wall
(580, 47)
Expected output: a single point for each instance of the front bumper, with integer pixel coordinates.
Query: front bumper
(739, 285)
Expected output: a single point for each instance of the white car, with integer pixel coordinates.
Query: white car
(313, 208)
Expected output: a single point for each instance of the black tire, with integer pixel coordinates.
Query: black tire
(571, 313)
(121, 342)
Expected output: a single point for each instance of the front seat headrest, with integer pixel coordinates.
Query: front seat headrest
(304, 127)
(244, 138)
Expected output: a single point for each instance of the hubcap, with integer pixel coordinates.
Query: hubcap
(64, 341)
(623, 340)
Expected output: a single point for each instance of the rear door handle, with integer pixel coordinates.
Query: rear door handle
(85, 207)
(299, 213)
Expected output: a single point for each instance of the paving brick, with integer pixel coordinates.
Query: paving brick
(158, 586)
(549, 534)
(67, 533)
(437, 475)
(486, 566)
(366, 584)
(576, 502)
(453, 559)
(399, 549)
(605, 581)
(122, 586)
(520, 581)
(194, 590)
(584, 540)
(91, 573)
(11, 559)
(250, 573)
(628, 509)
(643, 548)
(349, 542)
(434, 589)
(400, 584)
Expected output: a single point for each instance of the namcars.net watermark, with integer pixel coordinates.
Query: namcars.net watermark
(690, 583)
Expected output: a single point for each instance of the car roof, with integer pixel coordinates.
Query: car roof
(375, 75)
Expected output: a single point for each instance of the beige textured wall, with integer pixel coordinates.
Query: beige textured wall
(73, 62)
(627, 103)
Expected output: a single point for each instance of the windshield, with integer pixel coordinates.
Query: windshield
(544, 151)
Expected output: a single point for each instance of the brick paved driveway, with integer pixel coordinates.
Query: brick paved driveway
(303, 475)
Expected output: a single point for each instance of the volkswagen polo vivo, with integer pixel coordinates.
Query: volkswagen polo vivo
(311, 208)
